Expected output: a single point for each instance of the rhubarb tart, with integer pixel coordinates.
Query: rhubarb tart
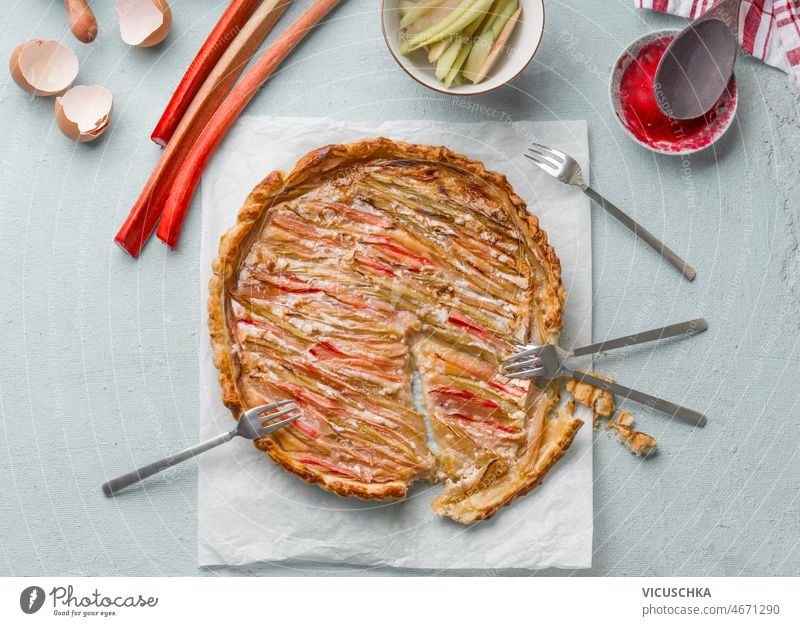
(370, 262)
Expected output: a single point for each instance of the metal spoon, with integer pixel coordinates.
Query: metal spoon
(697, 66)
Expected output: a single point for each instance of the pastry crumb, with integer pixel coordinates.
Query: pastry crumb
(625, 419)
(641, 444)
(599, 400)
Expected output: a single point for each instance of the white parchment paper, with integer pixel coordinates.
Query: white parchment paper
(250, 510)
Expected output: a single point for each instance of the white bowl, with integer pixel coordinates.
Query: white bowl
(722, 122)
(521, 48)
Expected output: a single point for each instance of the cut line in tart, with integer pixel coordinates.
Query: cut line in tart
(366, 263)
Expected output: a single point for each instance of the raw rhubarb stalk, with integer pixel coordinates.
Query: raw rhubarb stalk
(461, 17)
(192, 169)
(448, 58)
(435, 51)
(224, 33)
(456, 53)
(413, 11)
(476, 67)
(498, 47)
(441, 10)
(456, 69)
(145, 214)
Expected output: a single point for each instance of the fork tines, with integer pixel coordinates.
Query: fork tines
(516, 366)
(268, 424)
(551, 160)
(524, 369)
(547, 166)
(556, 156)
(529, 351)
(273, 426)
(555, 152)
(524, 364)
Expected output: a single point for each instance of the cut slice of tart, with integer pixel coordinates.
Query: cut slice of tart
(367, 261)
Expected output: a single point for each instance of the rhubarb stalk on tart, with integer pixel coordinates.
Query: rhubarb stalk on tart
(369, 261)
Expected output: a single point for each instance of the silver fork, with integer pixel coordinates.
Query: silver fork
(251, 425)
(547, 362)
(566, 169)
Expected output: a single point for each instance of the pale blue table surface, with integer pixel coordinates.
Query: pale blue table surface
(98, 365)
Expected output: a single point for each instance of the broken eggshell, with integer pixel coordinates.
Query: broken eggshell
(43, 67)
(84, 113)
(143, 23)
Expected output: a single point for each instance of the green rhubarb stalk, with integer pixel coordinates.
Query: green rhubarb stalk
(442, 9)
(503, 13)
(424, 37)
(498, 47)
(487, 38)
(447, 59)
(464, 14)
(491, 15)
(459, 62)
(470, 21)
(412, 11)
(436, 50)
(480, 52)
(457, 52)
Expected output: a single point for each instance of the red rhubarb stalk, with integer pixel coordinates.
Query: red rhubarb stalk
(390, 244)
(315, 350)
(511, 390)
(306, 429)
(376, 267)
(466, 395)
(452, 391)
(229, 25)
(457, 318)
(144, 215)
(288, 283)
(192, 169)
(335, 469)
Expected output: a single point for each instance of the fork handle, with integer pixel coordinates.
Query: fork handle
(126, 480)
(670, 408)
(673, 259)
(688, 328)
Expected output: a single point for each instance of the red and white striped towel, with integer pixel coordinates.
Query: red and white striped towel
(768, 29)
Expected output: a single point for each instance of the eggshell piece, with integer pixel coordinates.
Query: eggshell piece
(143, 23)
(43, 67)
(84, 112)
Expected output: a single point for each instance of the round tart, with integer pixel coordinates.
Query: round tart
(366, 263)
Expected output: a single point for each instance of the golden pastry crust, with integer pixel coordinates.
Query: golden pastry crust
(547, 442)
(489, 499)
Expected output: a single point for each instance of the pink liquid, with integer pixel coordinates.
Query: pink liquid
(642, 116)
